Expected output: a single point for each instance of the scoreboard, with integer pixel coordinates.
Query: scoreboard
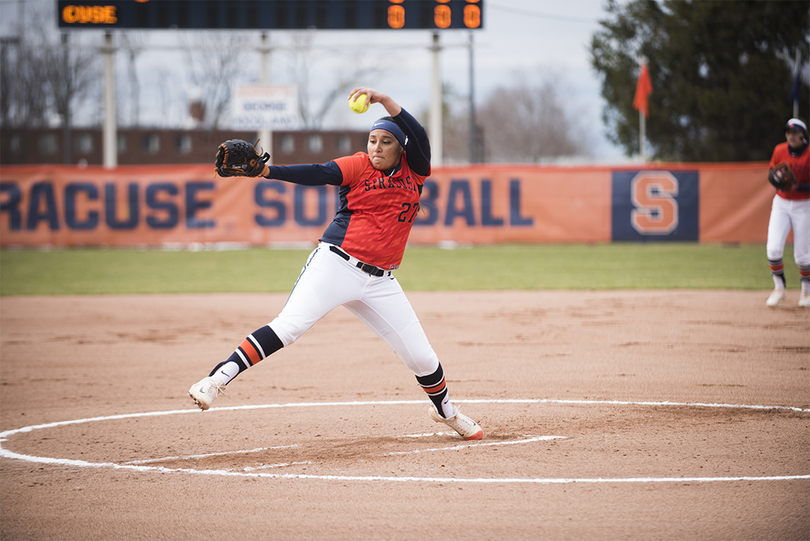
(272, 14)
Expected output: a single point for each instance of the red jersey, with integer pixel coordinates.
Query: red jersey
(381, 209)
(800, 165)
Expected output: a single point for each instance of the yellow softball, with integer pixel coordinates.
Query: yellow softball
(359, 104)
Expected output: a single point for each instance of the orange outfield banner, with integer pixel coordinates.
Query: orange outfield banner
(181, 205)
(735, 202)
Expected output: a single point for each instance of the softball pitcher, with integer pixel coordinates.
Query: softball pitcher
(353, 263)
(789, 172)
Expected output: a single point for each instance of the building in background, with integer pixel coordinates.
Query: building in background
(144, 146)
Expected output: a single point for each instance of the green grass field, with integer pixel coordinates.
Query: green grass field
(601, 266)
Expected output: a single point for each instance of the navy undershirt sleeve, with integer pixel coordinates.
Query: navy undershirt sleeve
(418, 147)
(307, 175)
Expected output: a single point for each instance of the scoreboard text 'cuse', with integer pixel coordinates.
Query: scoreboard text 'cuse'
(73, 14)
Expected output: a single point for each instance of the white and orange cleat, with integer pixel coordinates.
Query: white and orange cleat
(804, 300)
(466, 427)
(776, 297)
(204, 392)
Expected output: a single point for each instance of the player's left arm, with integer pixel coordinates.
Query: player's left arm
(307, 175)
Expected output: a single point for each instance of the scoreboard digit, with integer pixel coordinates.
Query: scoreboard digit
(396, 14)
(272, 14)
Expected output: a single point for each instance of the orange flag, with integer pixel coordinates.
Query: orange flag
(643, 90)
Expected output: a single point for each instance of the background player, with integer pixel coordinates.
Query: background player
(379, 200)
(791, 209)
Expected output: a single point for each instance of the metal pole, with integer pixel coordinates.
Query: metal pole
(796, 67)
(642, 136)
(436, 141)
(265, 134)
(67, 90)
(109, 136)
(642, 121)
(473, 128)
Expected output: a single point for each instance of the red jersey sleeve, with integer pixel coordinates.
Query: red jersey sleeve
(352, 166)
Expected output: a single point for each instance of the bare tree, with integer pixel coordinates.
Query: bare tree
(132, 46)
(25, 96)
(527, 123)
(455, 124)
(76, 76)
(214, 59)
(305, 63)
(524, 121)
(41, 78)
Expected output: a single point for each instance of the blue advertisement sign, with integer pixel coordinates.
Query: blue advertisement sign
(655, 206)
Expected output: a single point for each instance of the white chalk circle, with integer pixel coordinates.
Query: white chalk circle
(143, 465)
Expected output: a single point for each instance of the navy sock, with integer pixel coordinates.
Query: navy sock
(258, 345)
(436, 388)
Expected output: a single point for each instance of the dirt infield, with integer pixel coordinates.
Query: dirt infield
(630, 415)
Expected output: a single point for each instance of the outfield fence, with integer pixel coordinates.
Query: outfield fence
(52, 205)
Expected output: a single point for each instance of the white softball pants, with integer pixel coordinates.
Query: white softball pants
(328, 281)
(787, 214)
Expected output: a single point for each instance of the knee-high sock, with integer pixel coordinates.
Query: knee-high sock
(778, 271)
(436, 388)
(259, 344)
(804, 274)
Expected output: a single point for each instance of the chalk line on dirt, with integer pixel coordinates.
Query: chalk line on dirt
(248, 472)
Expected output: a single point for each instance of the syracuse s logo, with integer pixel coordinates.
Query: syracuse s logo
(655, 207)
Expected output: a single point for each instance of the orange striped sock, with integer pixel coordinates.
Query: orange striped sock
(777, 267)
(258, 345)
(804, 274)
(436, 388)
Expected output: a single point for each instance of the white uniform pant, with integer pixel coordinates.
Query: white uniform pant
(328, 281)
(787, 214)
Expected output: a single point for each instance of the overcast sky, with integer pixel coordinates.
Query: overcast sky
(534, 38)
(538, 39)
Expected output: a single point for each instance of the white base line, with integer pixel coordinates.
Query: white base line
(4, 453)
(208, 455)
(475, 444)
